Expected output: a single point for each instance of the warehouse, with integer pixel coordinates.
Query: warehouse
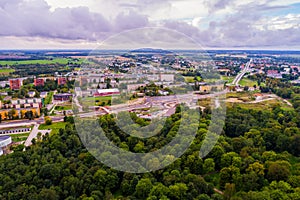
(106, 92)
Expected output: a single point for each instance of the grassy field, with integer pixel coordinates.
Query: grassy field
(229, 79)
(48, 99)
(265, 105)
(54, 127)
(6, 71)
(189, 79)
(19, 137)
(63, 107)
(243, 82)
(91, 101)
(62, 61)
(247, 82)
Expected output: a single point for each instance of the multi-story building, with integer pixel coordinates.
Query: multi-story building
(62, 97)
(167, 77)
(15, 84)
(39, 82)
(61, 80)
(25, 103)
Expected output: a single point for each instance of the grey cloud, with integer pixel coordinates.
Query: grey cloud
(23, 18)
(130, 21)
(34, 18)
(238, 30)
(215, 5)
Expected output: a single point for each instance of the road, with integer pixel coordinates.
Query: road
(161, 101)
(239, 77)
(75, 100)
(33, 134)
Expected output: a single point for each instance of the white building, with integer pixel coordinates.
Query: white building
(4, 141)
(43, 94)
(167, 77)
(31, 94)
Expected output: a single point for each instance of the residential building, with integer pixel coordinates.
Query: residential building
(61, 80)
(134, 86)
(25, 103)
(43, 94)
(62, 97)
(39, 82)
(273, 74)
(15, 84)
(31, 94)
(166, 77)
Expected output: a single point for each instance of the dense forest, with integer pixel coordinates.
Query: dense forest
(256, 157)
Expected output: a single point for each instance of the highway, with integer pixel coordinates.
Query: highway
(239, 77)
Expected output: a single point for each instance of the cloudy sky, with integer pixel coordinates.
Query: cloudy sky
(215, 24)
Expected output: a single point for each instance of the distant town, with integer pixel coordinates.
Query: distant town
(52, 86)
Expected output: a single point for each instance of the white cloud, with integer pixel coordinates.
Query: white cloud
(279, 23)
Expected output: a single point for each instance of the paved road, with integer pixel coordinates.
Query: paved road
(163, 100)
(75, 100)
(240, 75)
(33, 134)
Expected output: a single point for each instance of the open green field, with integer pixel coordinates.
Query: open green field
(48, 99)
(248, 82)
(6, 71)
(19, 137)
(63, 107)
(62, 61)
(244, 82)
(189, 79)
(229, 79)
(92, 101)
(264, 105)
(54, 127)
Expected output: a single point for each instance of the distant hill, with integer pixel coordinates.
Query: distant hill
(150, 50)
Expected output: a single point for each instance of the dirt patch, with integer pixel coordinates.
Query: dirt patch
(234, 100)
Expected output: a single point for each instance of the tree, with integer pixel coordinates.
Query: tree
(159, 191)
(29, 115)
(143, 188)
(278, 171)
(178, 191)
(48, 194)
(229, 191)
(48, 120)
(229, 175)
(45, 111)
(208, 166)
(294, 145)
(12, 113)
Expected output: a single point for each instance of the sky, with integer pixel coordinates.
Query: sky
(211, 24)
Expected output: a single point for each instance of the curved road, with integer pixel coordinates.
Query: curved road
(239, 77)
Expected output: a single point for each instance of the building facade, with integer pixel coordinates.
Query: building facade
(62, 97)
(61, 80)
(15, 84)
(39, 82)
